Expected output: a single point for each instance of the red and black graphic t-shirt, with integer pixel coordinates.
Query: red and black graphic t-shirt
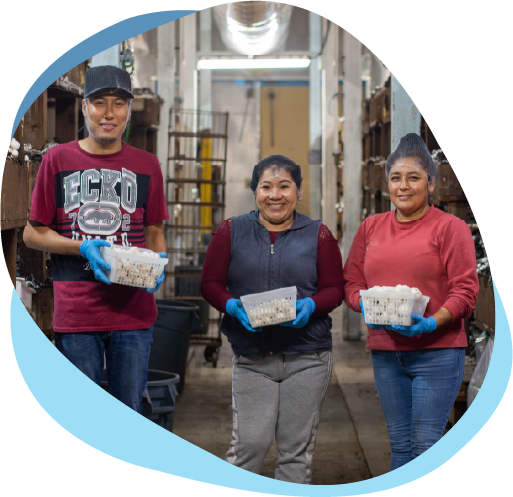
(112, 197)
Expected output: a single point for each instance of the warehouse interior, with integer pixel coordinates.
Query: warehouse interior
(215, 92)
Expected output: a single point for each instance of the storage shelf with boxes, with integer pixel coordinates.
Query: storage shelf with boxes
(14, 209)
(376, 142)
(54, 117)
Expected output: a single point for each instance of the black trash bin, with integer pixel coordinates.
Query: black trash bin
(171, 335)
(204, 312)
(159, 397)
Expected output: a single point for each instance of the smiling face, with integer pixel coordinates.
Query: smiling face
(106, 117)
(276, 196)
(409, 189)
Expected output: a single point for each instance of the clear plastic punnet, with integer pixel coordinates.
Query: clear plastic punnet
(273, 307)
(133, 266)
(387, 308)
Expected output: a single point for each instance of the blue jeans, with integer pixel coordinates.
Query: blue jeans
(417, 390)
(127, 354)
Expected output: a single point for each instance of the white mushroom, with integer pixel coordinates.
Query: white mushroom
(402, 289)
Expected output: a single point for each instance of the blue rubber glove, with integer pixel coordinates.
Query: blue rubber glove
(372, 326)
(160, 279)
(235, 309)
(90, 250)
(420, 325)
(304, 309)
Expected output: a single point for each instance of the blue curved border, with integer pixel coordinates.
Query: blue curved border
(93, 45)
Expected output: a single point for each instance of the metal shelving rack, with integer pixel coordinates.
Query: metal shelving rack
(195, 192)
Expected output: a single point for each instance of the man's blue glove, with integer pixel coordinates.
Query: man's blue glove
(304, 309)
(160, 279)
(235, 309)
(90, 250)
(420, 325)
(373, 326)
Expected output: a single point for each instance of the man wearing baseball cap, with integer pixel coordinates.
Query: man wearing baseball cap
(97, 192)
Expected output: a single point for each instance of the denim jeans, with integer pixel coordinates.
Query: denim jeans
(417, 390)
(127, 353)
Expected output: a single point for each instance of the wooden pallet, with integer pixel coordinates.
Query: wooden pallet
(484, 312)
(14, 210)
(70, 84)
(460, 404)
(15, 196)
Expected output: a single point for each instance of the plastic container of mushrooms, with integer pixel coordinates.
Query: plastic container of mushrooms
(133, 266)
(269, 308)
(393, 305)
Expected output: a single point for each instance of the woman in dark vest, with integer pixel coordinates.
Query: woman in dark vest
(281, 372)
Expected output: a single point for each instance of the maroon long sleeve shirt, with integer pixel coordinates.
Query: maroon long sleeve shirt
(434, 253)
(330, 285)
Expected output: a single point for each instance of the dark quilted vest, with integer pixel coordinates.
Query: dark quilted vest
(254, 269)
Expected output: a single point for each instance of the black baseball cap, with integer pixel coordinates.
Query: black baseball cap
(107, 80)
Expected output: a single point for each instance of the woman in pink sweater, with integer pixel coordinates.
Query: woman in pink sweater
(418, 369)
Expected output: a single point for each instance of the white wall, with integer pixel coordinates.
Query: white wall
(145, 59)
(241, 156)
(405, 115)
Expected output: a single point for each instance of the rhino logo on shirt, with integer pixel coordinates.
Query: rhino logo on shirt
(99, 218)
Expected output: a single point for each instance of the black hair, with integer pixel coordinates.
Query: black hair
(276, 163)
(412, 145)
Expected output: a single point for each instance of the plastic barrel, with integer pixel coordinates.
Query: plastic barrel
(204, 312)
(159, 398)
(171, 335)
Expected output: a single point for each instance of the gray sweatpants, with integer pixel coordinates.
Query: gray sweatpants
(278, 396)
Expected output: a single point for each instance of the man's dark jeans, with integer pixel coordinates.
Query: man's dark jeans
(127, 353)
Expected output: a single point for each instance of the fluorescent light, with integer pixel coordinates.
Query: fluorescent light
(216, 64)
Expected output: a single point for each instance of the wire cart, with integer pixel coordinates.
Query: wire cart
(195, 192)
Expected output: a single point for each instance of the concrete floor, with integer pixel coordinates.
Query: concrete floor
(352, 442)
